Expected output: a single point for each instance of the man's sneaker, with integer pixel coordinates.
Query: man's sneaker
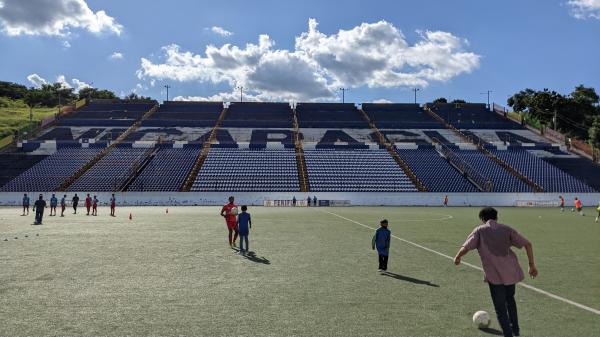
(379, 270)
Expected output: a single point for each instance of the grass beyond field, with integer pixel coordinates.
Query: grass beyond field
(313, 274)
(15, 116)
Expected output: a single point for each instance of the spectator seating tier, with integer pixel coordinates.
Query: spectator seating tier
(329, 115)
(258, 115)
(51, 172)
(249, 170)
(355, 171)
(472, 116)
(167, 170)
(551, 178)
(111, 172)
(400, 116)
(434, 171)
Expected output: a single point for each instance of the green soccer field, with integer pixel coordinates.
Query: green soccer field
(313, 274)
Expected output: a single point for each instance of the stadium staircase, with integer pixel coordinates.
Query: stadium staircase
(63, 187)
(480, 181)
(139, 168)
(189, 180)
(390, 148)
(302, 170)
(535, 186)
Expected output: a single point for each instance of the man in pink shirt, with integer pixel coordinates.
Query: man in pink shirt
(500, 265)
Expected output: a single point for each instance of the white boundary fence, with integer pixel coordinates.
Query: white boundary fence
(349, 198)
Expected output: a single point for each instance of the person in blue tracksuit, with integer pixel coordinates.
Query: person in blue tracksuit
(381, 241)
(53, 204)
(244, 224)
(25, 204)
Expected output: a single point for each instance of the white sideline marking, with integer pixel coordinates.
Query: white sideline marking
(538, 290)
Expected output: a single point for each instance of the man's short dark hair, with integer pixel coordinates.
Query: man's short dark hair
(488, 213)
(244, 208)
(384, 221)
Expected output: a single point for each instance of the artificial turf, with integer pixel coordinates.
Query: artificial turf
(312, 274)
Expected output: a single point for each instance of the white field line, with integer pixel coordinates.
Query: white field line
(538, 290)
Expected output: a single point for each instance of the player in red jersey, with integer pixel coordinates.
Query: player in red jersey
(229, 212)
(562, 203)
(88, 204)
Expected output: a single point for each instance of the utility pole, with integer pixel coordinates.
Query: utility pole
(91, 87)
(167, 87)
(415, 91)
(488, 97)
(241, 88)
(343, 90)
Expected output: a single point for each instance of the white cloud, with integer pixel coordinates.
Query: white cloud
(382, 100)
(66, 44)
(79, 84)
(75, 84)
(222, 96)
(53, 17)
(220, 31)
(36, 80)
(375, 55)
(583, 9)
(116, 56)
(63, 82)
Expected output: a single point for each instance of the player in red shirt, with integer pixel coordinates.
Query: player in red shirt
(229, 212)
(88, 204)
(562, 203)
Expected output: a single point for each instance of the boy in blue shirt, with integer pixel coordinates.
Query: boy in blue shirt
(381, 241)
(63, 205)
(244, 224)
(25, 204)
(53, 204)
(95, 206)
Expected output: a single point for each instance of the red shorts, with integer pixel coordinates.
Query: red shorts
(94, 206)
(232, 225)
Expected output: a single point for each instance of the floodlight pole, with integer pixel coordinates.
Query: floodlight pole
(167, 87)
(343, 90)
(488, 97)
(241, 92)
(415, 91)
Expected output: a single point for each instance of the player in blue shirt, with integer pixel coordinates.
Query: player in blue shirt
(63, 205)
(53, 204)
(95, 206)
(244, 224)
(25, 204)
(381, 241)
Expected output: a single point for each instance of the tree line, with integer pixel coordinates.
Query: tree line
(576, 114)
(51, 95)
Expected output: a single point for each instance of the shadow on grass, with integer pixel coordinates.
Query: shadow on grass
(252, 257)
(492, 331)
(409, 279)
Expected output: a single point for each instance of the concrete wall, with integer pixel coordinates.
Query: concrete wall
(356, 198)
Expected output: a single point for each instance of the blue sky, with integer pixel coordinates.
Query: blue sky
(378, 49)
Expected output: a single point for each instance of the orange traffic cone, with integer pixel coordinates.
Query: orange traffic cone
(130, 217)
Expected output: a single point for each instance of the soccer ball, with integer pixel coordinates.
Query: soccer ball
(234, 211)
(481, 319)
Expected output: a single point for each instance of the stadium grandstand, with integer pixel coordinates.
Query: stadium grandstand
(144, 146)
